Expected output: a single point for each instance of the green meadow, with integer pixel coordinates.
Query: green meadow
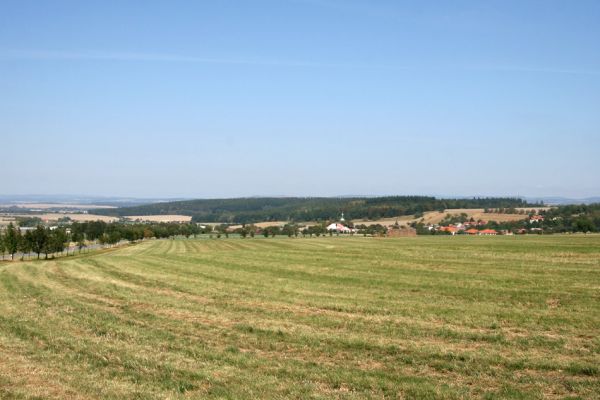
(320, 318)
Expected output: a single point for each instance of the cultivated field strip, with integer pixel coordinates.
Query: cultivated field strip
(438, 317)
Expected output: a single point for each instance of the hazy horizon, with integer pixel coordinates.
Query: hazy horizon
(300, 98)
(65, 198)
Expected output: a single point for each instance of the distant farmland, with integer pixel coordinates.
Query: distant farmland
(304, 209)
(159, 218)
(53, 217)
(346, 318)
(434, 217)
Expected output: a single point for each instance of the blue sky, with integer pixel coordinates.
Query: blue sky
(300, 97)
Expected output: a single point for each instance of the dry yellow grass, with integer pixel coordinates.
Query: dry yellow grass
(5, 220)
(264, 224)
(434, 217)
(50, 217)
(475, 213)
(160, 218)
(402, 220)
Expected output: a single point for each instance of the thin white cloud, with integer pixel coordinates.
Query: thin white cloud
(46, 55)
(528, 69)
(160, 57)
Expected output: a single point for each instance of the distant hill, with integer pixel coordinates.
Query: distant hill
(60, 199)
(256, 209)
(563, 200)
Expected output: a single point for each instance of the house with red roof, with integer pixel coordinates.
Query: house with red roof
(536, 218)
(450, 229)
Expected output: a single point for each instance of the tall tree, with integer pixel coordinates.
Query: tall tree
(114, 237)
(12, 237)
(79, 238)
(25, 244)
(2, 247)
(39, 240)
(58, 240)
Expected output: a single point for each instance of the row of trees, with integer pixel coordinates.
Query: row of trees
(251, 230)
(511, 210)
(112, 233)
(40, 240)
(313, 230)
(52, 240)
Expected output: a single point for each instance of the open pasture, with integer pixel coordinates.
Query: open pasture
(347, 318)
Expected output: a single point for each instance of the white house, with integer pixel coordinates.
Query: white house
(339, 228)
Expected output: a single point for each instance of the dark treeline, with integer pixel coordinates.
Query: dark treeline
(299, 209)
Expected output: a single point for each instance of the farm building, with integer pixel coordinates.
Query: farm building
(536, 219)
(339, 228)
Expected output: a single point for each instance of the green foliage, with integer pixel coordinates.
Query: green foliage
(12, 238)
(316, 230)
(373, 229)
(573, 218)
(28, 221)
(57, 240)
(454, 218)
(39, 240)
(25, 244)
(271, 231)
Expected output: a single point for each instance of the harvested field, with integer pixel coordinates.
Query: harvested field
(160, 218)
(476, 213)
(434, 217)
(73, 216)
(347, 318)
(6, 219)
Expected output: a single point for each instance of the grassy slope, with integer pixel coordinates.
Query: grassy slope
(425, 317)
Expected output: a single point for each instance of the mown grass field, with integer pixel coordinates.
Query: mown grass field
(348, 318)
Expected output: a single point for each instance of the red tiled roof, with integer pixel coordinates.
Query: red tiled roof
(448, 229)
